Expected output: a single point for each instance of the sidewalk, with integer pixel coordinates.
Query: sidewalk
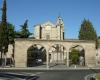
(51, 67)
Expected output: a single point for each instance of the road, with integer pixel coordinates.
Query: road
(66, 75)
(55, 74)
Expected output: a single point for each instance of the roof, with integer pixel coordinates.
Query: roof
(48, 23)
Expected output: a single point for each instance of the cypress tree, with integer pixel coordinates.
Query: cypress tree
(87, 31)
(4, 41)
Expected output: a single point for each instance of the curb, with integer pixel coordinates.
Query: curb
(43, 69)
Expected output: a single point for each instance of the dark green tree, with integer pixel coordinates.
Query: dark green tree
(74, 56)
(11, 33)
(34, 53)
(24, 33)
(87, 31)
(17, 34)
(4, 40)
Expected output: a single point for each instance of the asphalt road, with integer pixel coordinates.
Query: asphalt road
(52, 74)
(66, 75)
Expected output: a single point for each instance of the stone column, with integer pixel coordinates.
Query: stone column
(67, 55)
(21, 54)
(47, 60)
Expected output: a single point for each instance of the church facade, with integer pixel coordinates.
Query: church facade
(50, 31)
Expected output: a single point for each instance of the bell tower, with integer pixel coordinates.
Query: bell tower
(60, 26)
(60, 21)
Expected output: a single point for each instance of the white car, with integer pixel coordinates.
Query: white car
(38, 61)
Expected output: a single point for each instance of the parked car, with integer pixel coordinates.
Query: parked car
(39, 61)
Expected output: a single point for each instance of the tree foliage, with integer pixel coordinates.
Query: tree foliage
(87, 31)
(4, 40)
(24, 33)
(34, 53)
(74, 56)
(11, 33)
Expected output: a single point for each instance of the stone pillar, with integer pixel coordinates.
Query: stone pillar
(47, 60)
(21, 54)
(90, 56)
(67, 56)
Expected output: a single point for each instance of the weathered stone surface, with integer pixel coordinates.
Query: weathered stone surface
(22, 45)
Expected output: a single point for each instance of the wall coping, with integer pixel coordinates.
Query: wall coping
(66, 40)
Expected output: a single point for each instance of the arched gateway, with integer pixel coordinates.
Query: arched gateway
(57, 51)
(36, 55)
(77, 55)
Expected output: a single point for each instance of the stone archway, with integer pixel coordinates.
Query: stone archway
(21, 52)
(36, 55)
(57, 54)
(77, 55)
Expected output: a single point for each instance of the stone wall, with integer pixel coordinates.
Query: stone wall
(22, 45)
